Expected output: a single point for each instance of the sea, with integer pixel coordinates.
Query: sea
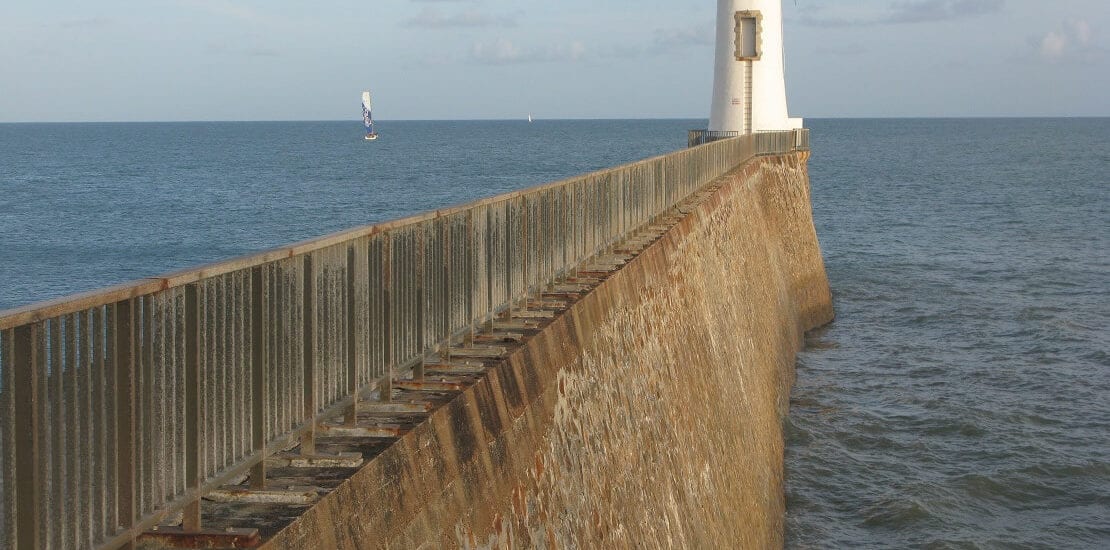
(961, 398)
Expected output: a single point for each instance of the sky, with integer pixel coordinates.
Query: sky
(168, 60)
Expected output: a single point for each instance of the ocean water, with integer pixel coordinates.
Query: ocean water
(87, 205)
(960, 400)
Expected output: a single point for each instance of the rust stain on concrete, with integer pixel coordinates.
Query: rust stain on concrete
(647, 415)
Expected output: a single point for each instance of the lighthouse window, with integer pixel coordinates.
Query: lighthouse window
(747, 35)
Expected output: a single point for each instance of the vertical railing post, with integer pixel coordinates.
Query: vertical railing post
(259, 367)
(526, 250)
(28, 452)
(124, 364)
(385, 390)
(615, 188)
(561, 211)
(308, 438)
(550, 234)
(447, 306)
(193, 476)
(490, 309)
(470, 282)
(352, 335)
(421, 296)
(507, 237)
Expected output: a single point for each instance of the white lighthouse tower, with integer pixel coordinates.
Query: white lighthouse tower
(749, 87)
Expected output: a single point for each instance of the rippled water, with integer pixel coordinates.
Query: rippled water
(87, 205)
(962, 397)
(960, 400)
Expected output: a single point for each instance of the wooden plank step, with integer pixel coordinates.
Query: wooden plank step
(547, 304)
(491, 352)
(583, 280)
(514, 325)
(496, 337)
(455, 367)
(533, 314)
(598, 269)
(290, 496)
(341, 460)
(398, 407)
(176, 537)
(428, 385)
(630, 249)
(606, 263)
(367, 432)
(572, 288)
(568, 296)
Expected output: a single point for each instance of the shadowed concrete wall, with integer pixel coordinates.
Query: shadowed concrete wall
(648, 415)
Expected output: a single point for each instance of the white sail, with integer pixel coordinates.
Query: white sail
(368, 116)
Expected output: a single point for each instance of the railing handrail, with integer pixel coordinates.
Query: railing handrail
(699, 137)
(79, 301)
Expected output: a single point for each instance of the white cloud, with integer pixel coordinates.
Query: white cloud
(88, 22)
(1054, 45)
(695, 35)
(224, 8)
(1072, 40)
(1082, 32)
(505, 52)
(435, 19)
(902, 12)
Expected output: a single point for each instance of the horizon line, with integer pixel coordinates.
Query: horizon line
(567, 119)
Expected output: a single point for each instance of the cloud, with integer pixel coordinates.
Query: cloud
(664, 41)
(435, 19)
(1070, 41)
(87, 23)
(842, 48)
(923, 11)
(225, 49)
(1054, 45)
(505, 52)
(262, 52)
(227, 9)
(907, 12)
(697, 35)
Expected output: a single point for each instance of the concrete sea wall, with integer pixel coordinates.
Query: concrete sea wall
(647, 415)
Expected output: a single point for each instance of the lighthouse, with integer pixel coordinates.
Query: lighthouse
(749, 86)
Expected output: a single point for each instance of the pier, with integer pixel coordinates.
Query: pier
(146, 412)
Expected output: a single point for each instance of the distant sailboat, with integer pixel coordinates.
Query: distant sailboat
(368, 117)
(529, 117)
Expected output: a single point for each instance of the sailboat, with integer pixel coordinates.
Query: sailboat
(529, 117)
(368, 117)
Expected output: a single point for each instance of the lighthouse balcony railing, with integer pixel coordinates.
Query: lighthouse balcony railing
(701, 137)
(801, 139)
(770, 140)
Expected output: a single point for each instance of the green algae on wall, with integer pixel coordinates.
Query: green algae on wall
(648, 415)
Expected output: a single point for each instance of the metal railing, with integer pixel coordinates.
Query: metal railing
(701, 137)
(125, 405)
(801, 139)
